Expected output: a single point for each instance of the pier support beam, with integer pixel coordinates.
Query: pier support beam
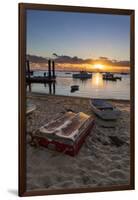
(28, 69)
(49, 68)
(53, 68)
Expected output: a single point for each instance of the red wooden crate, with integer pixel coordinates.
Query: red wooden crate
(66, 133)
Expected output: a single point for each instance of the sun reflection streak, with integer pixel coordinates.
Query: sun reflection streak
(97, 80)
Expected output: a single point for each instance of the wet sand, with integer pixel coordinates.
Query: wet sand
(103, 160)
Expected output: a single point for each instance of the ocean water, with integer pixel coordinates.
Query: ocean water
(95, 87)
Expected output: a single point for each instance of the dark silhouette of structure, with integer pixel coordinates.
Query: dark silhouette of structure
(42, 79)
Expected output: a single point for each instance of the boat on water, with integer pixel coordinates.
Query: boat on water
(74, 88)
(66, 133)
(124, 73)
(67, 72)
(118, 77)
(82, 75)
(104, 110)
(110, 77)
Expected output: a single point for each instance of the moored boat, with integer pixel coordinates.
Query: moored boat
(74, 88)
(110, 77)
(104, 110)
(82, 75)
(118, 77)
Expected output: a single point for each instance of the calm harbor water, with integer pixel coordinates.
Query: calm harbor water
(95, 87)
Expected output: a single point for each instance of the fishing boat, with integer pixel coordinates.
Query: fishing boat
(74, 88)
(82, 75)
(30, 108)
(66, 133)
(110, 77)
(118, 77)
(104, 110)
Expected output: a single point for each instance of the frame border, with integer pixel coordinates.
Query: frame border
(22, 7)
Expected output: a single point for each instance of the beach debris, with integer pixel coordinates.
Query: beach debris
(30, 108)
(69, 110)
(116, 141)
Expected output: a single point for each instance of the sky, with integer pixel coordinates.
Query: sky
(84, 35)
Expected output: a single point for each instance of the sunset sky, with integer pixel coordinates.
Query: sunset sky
(85, 36)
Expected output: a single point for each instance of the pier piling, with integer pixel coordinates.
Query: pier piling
(28, 69)
(50, 78)
(53, 68)
(49, 69)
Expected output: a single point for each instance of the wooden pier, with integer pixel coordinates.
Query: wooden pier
(50, 78)
(40, 79)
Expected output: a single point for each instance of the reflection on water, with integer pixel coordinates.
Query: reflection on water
(49, 87)
(95, 87)
(97, 80)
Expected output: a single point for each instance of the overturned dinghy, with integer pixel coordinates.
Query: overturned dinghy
(104, 110)
(66, 133)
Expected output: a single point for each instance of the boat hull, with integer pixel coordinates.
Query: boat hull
(71, 150)
(107, 115)
(71, 142)
(82, 76)
(109, 79)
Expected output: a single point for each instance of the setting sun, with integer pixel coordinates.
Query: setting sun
(98, 66)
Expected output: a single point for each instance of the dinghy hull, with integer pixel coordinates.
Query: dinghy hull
(73, 138)
(105, 111)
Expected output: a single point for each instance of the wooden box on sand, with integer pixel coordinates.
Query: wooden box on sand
(66, 133)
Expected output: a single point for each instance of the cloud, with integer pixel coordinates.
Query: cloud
(103, 58)
(68, 59)
(112, 62)
(36, 59)
(76, 60)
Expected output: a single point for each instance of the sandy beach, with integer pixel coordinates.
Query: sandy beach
(103, 160)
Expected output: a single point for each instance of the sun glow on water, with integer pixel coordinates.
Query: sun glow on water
(97, 80)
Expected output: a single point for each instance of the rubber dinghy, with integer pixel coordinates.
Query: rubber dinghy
(66, 133)
(104, 110)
